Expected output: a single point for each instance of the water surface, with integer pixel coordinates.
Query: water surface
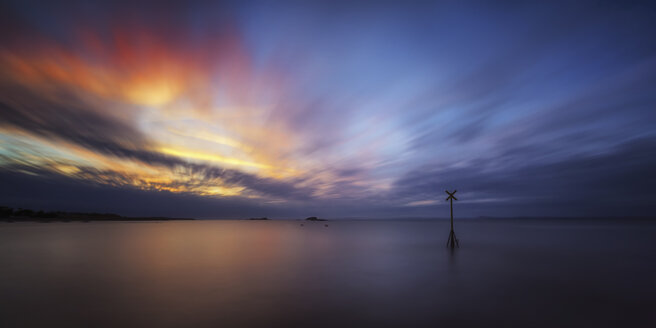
(537, 273)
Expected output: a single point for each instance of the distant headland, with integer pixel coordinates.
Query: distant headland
(312, 218)
(26, 215)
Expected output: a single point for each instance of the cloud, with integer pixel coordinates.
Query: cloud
(74, 122)
(617, 182)
(367, 109)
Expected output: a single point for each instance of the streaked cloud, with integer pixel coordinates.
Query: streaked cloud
(370, 108)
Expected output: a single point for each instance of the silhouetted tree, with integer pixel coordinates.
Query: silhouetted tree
(6, 212)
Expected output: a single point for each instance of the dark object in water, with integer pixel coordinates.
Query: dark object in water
(452, 241)
(325, 225)
(314, 218)
(264, 218)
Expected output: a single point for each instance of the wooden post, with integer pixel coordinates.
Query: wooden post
(452, 241)
(451, 201)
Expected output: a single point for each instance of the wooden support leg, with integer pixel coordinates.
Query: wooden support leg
(452, 241)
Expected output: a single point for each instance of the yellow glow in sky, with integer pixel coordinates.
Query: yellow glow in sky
(212, 158)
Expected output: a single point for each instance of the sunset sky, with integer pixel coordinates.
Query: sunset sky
(334, 109)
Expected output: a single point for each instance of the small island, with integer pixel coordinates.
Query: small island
(260, 219)
(314, 218)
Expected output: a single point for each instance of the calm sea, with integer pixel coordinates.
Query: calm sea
(509, 273)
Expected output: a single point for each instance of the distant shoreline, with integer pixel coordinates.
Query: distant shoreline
(90, 219)
(9, 214)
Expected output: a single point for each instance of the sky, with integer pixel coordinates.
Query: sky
(331, 109)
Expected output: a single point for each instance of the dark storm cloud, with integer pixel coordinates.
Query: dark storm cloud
(50, 191)
(23, 185)
(280, 189)
(72, 120)
(79, 123)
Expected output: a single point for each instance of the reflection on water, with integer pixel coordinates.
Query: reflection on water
(384, 273)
